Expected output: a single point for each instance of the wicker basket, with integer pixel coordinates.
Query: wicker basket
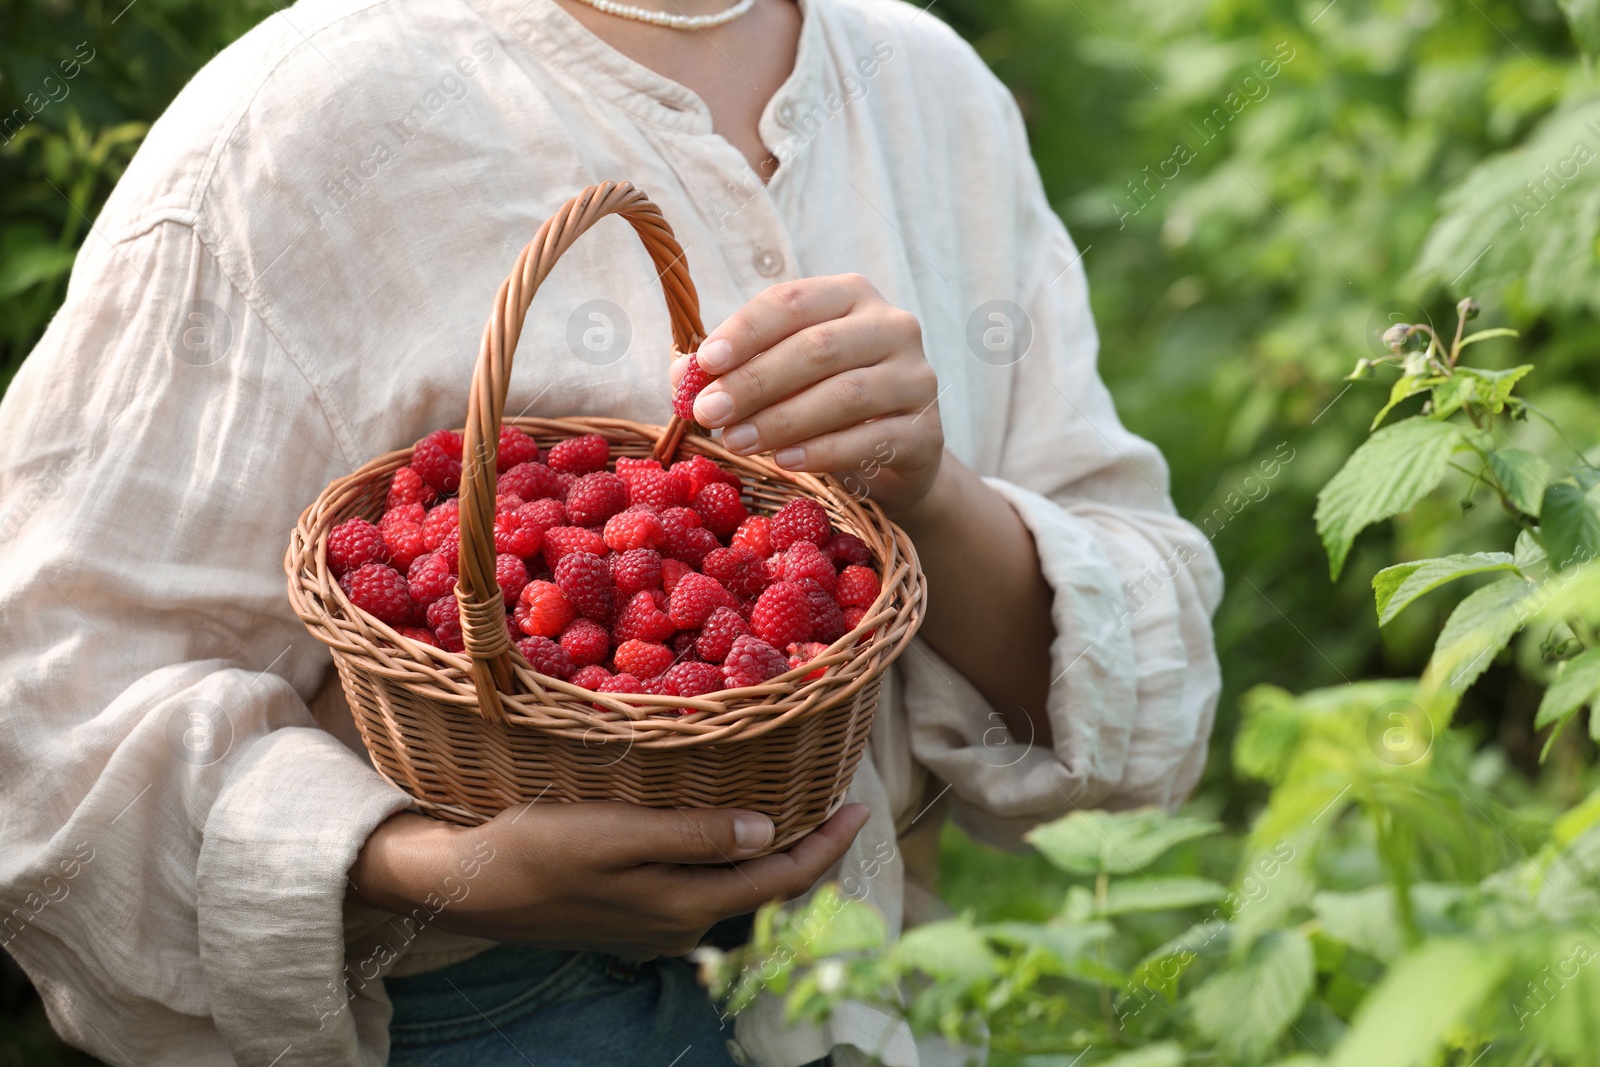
(471, 734)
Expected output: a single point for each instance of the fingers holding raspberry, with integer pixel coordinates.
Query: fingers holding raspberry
(828, 376)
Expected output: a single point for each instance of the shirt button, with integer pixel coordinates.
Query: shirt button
(737, 1054)
(768, 263)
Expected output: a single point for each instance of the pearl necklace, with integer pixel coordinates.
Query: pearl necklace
(671, 22)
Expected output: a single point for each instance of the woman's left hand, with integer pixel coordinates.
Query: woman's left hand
(828, 376)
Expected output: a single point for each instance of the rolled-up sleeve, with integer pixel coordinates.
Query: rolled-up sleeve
(1133, 665)
(177, 832)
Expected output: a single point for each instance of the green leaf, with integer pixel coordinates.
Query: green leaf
(1163, 1054)
(1246, 1008)
(1405, 386)
(1424, 997)
(1492, 388)
(1577, 683)
(1569, 522)
(1089, 842)
(1475, 633)
(1160, 894)
(1068, 944)
(1364, 920)
(1583, 16)
(1541, 245)
(1391, 471)
(949, 950)
(1528, 552)
(28, 256)
(1523, 476)
(846, 926)
(1396, 587)
(1485, 335)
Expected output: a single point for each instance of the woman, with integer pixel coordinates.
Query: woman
(199, 865)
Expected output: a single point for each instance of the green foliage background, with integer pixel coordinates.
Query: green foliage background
(1373, 177)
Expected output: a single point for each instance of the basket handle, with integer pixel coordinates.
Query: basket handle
(483, 628)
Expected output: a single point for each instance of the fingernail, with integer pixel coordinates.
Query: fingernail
(751, 830)
(789, 457)
(712, 406)
(739, 438)
(715, 356)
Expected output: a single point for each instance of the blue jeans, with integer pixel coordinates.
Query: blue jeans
(518, 1006)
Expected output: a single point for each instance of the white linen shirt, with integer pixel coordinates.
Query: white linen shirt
(292, 277)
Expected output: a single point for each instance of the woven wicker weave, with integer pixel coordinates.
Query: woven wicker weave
(471, 734)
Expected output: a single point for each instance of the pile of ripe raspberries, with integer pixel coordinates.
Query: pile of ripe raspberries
(633, 579)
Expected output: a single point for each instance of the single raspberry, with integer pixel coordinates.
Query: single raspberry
(628, 466)
(720, 509)
(586, 641)
(801, 519)
(429, 578)
(694, 545)
(449, 550)
(354, 543)
(755, 535)
(421, 634)
(591, 677)
(407, 487)
(512, 576)
(437, 457)
(380, 591)
(699, 472)
(636, 570)
(515, 447)
(804, 564)
(444, 615)
(672, 572)
(642, 659)
(752, 661)
(515, 535)
(695, 598)
(580, 455)
(595, 498)
(827, 621)
(405, 541)
(683, 645)
(782, 614)
(546, 657)
(642, 619)
(637, 527)
(442, 521)
(676, 524)
(585, 580)
(716, 636)
(694, 379)
(562, 540)
(659, 489)
(739, 570)
(620, 683)
(531, 481)
(846, 549)
(691, 679)
(804, 652)
(543, 513)
(564, 484)
(548, 610)
(507, 502)
(852, 618)
(655, 687)
(659, 598)
(403, 514)
(858, 587)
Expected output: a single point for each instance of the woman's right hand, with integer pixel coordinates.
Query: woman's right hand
(632, 881)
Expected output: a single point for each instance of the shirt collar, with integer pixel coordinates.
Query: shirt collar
(564, 42)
